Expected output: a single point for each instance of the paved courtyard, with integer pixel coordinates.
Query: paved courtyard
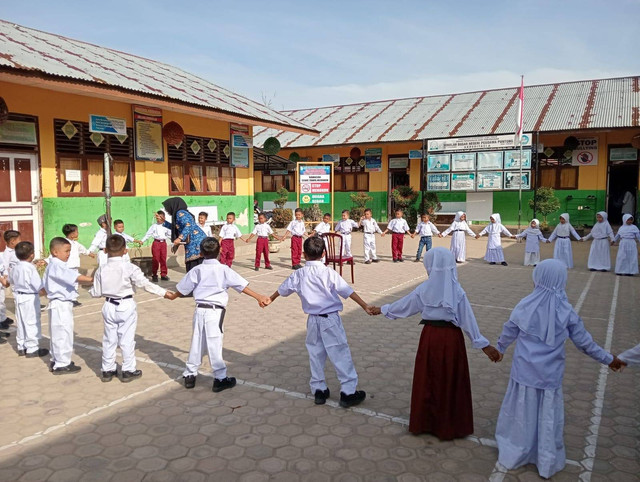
(71, 428)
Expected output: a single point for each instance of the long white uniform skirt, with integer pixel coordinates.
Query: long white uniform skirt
(627, 258)
(530, 427)
(563, 252)
(600, 254)
(531, 259)
(459, 245)
(495, 255)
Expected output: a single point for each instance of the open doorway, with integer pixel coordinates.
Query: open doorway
(396, 178)
(623, 177)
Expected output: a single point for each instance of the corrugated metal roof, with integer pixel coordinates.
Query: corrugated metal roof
(592, 104)
(24, 50)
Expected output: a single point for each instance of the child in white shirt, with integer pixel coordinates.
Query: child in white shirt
(370, 227)
(398, 227)
(70, 232)
(532, 247)
(298, 231)
(494, 230)
(426, 230)
(99, 240)
(324, 226)
(262, 230)
(344, 228)
(160, 233)
(562, 250)
(228, 234)
(202, 223)
(7, 260)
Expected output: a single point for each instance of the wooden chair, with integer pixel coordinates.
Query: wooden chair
(333, 255)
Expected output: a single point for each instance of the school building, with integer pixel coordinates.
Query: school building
(581, 138)
(65, 103)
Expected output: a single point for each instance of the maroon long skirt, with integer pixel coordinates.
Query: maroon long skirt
(441, 395)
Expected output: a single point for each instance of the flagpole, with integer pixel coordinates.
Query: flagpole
(520, 132)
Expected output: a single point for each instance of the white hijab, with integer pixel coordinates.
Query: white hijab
(534, 231)
(458, 217)
(627, 227)
(565, 216)
(442, 289)
(602, 229)
(625, 217)
(546, 311)
(494, 227)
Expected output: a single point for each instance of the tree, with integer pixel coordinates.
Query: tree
(360, 200)
(281, 216)
(405, 198)
(545, 202)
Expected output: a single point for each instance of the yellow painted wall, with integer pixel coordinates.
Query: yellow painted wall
(151, 177)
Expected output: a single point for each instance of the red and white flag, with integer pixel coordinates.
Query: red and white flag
(519, 119)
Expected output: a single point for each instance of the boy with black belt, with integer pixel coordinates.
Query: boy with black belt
(160, 233)
(297, 229)
(115, 281)
(262, 230)
(319, 289)
(209, 283)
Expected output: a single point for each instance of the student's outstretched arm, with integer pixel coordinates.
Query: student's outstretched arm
(4, 281)
(355, 297)
(84, 279)
(274, 296)
(261, 299)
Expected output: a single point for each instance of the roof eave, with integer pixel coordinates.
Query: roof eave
(42, 80)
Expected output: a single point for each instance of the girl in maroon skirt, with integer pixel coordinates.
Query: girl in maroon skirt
(441, 395)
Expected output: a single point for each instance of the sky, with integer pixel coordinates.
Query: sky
(300, 54)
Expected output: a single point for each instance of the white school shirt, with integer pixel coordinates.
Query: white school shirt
(563, 231)
(24, 278)
(10, 258)
(494, 230)
(322, 227)
(126, 237)
(398, 226)
(3, 270)
(210, 281)
(206, 228)
(99, 241)
(370, 226)
(318, 287)
(426, 229)
(459, 226)
(627, 231)
(534, 238)
(117, 279)
(297, 228)
(74, 256)
(262, 230)
(60, 281)
(158, 232)
(230, 231)
(345, 226)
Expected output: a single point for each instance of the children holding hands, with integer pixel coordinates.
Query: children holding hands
(494, 230)
(459, 228)
(562, 250)
(534, 237)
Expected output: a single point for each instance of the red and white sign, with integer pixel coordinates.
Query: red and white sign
(586, 154)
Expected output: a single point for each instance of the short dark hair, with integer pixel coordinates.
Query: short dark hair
(67, 229)
(425, 214)
(398, 210)
(160, 213)
(345, 211)
(231, 213)
(118, 221)
(326, 214)
(115, 243)
(10, 234)
(57, 241)
(210, 248)
(314, 248)
(24, 249)
(297, 210)
(202, 213)
(262, 215)
(368, 210)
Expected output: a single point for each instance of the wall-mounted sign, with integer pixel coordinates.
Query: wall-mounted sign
(623, 154)
(73, 175)
(463, 181)
(373, 159)
(439, 162)
(18, 132)
(512, 159)
(415, 154)
(512, 180)
(278, 172)
(489, 180)
(438, 182)
(240, 136)
(335, 158)
(398, 163)
(586, 154)
(478, 143)
(465, 161)
(105, 124)
(147, 133)
(315, 184)
(490, 161)
(239, 157)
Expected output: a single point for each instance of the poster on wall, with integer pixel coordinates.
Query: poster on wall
(489, 180)
(512, 159)
(147, 133)
(335, 158)
(512, 180)
(398, 163)
(465, 161)
(373, 159)
(463, 181)
(415, 154)
(438, 182)
(586, 154)
(239, 157)
(240, 136)
(490, 161)
(18, 132)
(315, 184)
(439, 162)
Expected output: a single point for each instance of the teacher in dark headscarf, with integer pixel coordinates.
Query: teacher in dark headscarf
(184, 229)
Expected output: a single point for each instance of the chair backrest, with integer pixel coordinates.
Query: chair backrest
(333, 241)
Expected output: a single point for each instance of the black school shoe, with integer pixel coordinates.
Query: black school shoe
(4, 334)
(108, 376)
(22, 352)
(5, 324)
(321, 396)
(164, 278)
(127, 377)
(355, 398)
(2, 340)
(189, 381)
(76, 304)
(223, 384)
(154, 278)
(376, 260)
(504, 263)
(367, 261)
(271, 267)
(70, 368)
(39, 353)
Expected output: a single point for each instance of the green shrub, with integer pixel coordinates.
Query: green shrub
(405, 198)
(431, 205)
(281, 217)
(545, 202)
(360, 200)
(313, 213)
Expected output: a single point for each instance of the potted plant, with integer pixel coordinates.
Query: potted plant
(360, 200)
(313, 213)
(281, 216)
(405, 198)
(274, 243)
(544, 202)
(145, 263)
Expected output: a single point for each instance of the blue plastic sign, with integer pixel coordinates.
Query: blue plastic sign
(105, 124)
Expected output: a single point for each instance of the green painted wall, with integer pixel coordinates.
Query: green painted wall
(136, 212)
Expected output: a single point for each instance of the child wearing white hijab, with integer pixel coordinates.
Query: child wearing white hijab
(600, 252)
(532, 247)
(531, 420)
(495, 228)
(562, 250)
(459, 227)
(627, 258)
(441, 394)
